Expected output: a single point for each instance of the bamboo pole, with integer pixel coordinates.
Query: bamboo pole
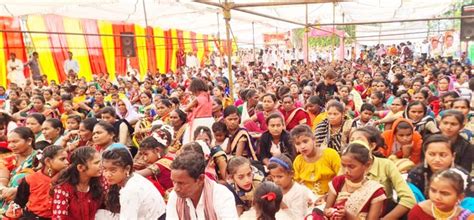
(227, 7)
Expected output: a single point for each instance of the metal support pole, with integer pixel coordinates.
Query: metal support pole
(306, 32)
(253, 42)
(227, 7)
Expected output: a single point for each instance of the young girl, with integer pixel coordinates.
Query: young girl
(418, 114)
(446, 190)
(296, 197)
(452, 123)
(151, 152)
(200, 108)
(464, 106)
(219, 129)
(68, 111)
(242, 182)
(439, 156)
(130, 194)
(32, 198)
(240, 142)
(267, 202)
(386, 173)
(314, 167)
(402, 141)
(276, 140)
(77, 194)
(353, 196)
(218, 164)
(72, 123)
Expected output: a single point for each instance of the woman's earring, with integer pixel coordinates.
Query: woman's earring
(50, 172)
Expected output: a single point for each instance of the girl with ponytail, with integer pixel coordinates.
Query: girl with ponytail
(131, 195)
(77, 194)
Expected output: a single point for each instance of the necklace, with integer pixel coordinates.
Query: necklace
(438, 214)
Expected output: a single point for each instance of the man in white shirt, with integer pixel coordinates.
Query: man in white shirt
(15, 71)
(71, 66)
(195, 196)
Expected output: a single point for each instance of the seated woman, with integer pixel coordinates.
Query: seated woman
(439, 156)
(451, 125)
(352, 195)
(402, 141)
(34, 122)
(15, 167)
(334, 131)
(257, 123)
(314, 167)
(396, 111)
(464, 106)
(53, 131)
(293, 116)
(178, 121)
(276, 140)
(217, 164)
(449, 185)
(240, 142)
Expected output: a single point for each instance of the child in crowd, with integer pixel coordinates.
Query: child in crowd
(276, 140)
(78, 192)
(220, 132)
(296, 197)
(402, 141)
(217, 157)
(267, 202)
(446, 190)
(353, 196)
(130, 195)
(242, 182)
(314, 167)
(365, 119)
(152, 154)
(68, 111)
(32, 199)
(396, 111)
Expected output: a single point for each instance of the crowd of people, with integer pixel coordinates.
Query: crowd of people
(369, 138)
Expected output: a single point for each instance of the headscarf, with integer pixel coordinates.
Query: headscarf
(131, 114)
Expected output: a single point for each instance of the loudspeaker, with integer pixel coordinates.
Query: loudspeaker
(467, 24)
(127, 40)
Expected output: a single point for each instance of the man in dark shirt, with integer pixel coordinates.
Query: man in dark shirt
(328, 87)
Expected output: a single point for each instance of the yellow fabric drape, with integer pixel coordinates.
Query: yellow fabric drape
(188, 47)
(160, 49)
(141, 51)
(108, 47)
(77, 45)
(174, 60)
(42, 46)
(3, 63)
(200, 47)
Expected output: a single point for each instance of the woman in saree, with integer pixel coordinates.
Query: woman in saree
(13, 168)
(293, 116)
(353, 195)
(178, 122)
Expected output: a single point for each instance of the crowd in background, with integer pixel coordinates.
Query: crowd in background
(387, 134)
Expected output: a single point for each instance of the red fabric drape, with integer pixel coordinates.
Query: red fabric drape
(169, 49)
(180, 40)
(150, 49)
(94, 46)
(13, 41)
(120, 61)
(193, 41)
(58, 42)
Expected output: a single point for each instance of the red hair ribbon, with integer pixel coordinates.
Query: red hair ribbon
(270, 196)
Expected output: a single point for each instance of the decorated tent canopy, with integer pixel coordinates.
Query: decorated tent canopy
(203, 18)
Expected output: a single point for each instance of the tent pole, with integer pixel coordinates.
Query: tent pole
(219, 39)
(333, 30)
(227, 7)
(253, 42)
(306, 33)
